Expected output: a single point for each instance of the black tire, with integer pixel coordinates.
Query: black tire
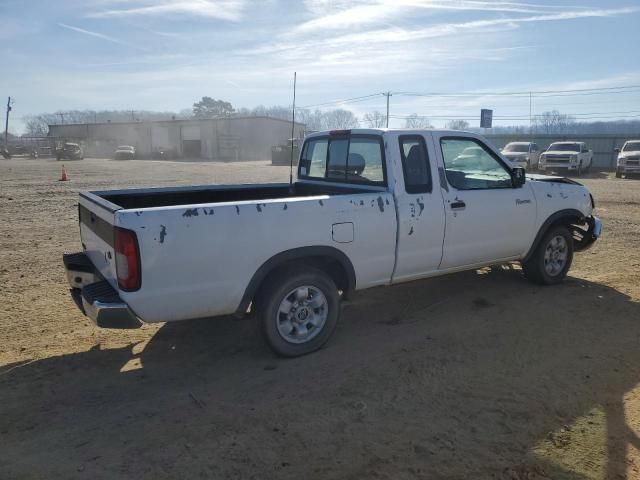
(618, 174)
(535, 268)
(279, 288)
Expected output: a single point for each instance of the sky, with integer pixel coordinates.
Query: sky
(165, 55)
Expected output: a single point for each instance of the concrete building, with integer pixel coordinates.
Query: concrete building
(227, 139)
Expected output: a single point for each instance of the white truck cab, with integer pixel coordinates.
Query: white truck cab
(369, 207)
(569, 156)
(522, 154)
(628, 158)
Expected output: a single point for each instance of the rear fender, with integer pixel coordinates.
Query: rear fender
(299, 254)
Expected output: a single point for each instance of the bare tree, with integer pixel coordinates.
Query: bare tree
(313, 120)
(457, 125)
(339, 119)
(414, 121)
(36, 126)
(553, 122)
(375, 119)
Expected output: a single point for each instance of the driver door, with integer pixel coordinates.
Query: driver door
(487, 218)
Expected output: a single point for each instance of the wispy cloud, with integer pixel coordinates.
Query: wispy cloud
(347, 14)
(97, 35)
(230, 10)
(394, 34)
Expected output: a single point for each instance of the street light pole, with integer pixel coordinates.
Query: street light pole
(6, 125)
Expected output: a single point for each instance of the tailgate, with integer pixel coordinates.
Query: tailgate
(97, 235)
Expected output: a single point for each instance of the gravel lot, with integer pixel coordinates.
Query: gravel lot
(474, 375)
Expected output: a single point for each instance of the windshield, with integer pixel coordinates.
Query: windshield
(125, 147)
(565, 147)
(632, 147)
(517, 147)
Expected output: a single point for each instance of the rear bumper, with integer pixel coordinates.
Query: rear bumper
(95, 297)
(587, 238)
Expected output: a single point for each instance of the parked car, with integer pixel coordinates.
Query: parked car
(17, 150)
(125, 152)
(522, 154)
(370, 207)
(69, 151)
(45, 152)
(628, 158)
(570, 156)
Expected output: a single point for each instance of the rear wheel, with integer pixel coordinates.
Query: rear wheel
(298, 310)
(552, 257)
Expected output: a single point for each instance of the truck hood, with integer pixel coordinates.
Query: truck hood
(515, 154)
(559, 152)
(633, 153)
(549, 178)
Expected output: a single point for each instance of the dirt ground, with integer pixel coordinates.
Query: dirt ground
(475, 375)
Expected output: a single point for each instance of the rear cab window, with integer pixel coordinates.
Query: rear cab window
(346, 158)
(415, 164)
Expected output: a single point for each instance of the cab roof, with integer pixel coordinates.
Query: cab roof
(382, 131)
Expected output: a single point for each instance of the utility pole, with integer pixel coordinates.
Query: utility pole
(6, 125)
(61, 118)
(530, 118)
(387, 94)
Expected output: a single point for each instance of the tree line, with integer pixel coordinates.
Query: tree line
(551, 122)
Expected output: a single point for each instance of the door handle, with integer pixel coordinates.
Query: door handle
(458, 205)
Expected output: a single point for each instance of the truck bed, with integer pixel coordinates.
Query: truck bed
(173, 196)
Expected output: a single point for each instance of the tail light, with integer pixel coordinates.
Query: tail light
(127, 260)
(339, 133)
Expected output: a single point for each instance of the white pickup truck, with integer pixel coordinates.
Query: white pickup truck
(369, 207)
(569, 156)
(522, 154)
(628, 159)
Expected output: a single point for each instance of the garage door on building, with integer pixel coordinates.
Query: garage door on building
(191, 143)
(159, 138)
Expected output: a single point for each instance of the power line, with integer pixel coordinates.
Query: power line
(538, 93)
(346, 100)
(538, 114)
(623, 89)
(579, 116)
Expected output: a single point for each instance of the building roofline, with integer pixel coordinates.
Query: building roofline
(179, 120)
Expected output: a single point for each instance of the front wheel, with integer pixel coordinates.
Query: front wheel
(552, 257)
(298, 310)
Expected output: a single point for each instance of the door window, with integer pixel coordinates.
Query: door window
(470, 165)
(415, 164)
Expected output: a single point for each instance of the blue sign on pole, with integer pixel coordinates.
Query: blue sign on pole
(486, 117)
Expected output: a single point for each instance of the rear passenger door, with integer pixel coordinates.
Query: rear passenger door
(420, 207)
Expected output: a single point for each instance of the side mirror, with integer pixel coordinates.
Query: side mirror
(518, 177)
(617, 150)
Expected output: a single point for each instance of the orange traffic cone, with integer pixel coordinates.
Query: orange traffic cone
(63, 177)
